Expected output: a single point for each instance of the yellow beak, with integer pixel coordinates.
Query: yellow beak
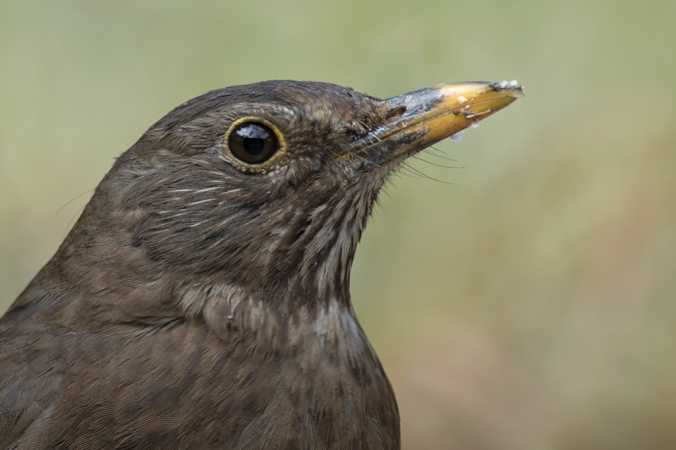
(429, 115)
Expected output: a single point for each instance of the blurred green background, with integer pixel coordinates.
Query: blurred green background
(523, 302)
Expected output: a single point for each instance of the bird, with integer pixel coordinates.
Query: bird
(202, 301)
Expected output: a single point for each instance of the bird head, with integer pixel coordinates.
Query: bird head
(266, 186)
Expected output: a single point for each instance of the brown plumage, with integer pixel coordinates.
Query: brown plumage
(202, 299)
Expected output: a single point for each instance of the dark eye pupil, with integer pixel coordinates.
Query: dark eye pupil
(253, 143)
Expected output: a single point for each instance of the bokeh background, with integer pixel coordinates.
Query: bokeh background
(519, 286)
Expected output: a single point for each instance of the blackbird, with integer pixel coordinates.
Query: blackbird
(202, 300)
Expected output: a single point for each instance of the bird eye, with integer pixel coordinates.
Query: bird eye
(253, 141)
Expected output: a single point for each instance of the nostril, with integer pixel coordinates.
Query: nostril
(395, 112)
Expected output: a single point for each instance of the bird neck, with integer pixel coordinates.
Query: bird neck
(274, 319)
(108, 276)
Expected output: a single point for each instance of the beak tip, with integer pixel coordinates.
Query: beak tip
(513, 88)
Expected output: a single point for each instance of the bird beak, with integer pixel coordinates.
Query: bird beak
(429, 115)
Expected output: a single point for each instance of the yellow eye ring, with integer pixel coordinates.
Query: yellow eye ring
(253, 144)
